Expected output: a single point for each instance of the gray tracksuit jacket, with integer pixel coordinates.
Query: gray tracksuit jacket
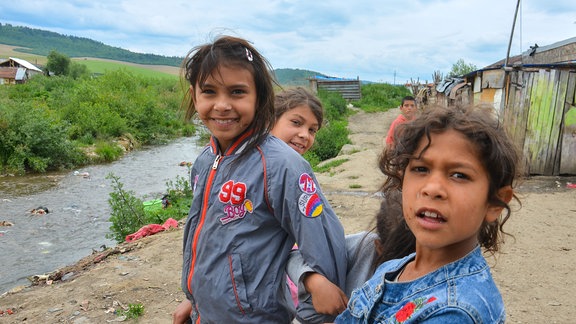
(243, 222)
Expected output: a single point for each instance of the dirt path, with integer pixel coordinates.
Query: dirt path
(534, 272)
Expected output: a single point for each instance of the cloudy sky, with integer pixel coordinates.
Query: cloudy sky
(377, 40)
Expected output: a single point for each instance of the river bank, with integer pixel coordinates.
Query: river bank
(77, 201)
(534, 272)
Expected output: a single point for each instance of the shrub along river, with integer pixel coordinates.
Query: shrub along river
(77, 202)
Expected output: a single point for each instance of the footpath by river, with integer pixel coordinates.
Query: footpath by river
(77, 222)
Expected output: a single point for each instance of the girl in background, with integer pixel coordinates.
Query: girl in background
(299, 116)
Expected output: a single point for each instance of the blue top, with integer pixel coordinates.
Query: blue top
(459, 292)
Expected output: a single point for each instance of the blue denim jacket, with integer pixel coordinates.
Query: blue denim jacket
(459, 292)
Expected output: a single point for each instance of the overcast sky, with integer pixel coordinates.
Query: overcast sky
(378, 40)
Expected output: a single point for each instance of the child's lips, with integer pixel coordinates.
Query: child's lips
(298, 146)
(430, 215)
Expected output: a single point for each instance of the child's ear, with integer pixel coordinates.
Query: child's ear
(505, 194)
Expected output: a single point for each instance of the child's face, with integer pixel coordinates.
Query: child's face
(297, 127)
(226, 103)
(445, 195)
(408, 109)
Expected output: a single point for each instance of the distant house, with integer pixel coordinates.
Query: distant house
(348, 88)
(14, 70)
(535, 94)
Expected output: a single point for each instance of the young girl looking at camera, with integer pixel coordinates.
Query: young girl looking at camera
(253, 197)
(456, 168)
(299, 116)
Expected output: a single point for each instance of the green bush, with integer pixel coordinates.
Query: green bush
(108, 151)
(127, 215)
(381, 96)
(130, 213)
(179, 195)
(334, 105)
(64, 115)
(330, 140)
(34, 139)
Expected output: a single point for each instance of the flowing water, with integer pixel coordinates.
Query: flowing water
(77, 221)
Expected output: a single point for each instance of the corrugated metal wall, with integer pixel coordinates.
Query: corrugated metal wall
(349, 89)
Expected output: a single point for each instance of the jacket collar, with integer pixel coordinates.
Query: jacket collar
(238, 145)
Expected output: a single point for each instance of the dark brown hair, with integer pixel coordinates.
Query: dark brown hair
(481, 126)
(231, 51)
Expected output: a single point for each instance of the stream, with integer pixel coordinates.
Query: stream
(77, 201)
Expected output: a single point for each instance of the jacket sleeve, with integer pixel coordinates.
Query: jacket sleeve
(305, 214)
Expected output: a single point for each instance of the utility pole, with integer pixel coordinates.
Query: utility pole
(512, 34)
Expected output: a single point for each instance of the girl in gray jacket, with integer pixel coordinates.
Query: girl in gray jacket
(254, 197)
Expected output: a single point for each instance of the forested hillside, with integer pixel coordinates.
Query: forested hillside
(41, 42)
(294, 77)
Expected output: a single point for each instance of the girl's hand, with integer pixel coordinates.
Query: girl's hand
(182, 313)
(327, 298)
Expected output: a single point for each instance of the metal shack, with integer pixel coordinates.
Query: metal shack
(349, 88)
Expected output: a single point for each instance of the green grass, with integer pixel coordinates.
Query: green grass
(327, 166)
(98, 66)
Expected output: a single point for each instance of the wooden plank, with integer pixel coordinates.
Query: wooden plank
(546, 145)
(533, 131)
(542, 111)
(568, 155)
(529, 78)
(540, 122)
(555, 140)
(517, 111)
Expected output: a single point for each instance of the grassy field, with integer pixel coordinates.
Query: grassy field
(7, 51)
(96, 65)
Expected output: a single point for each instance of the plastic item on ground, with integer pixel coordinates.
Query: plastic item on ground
(151, 229)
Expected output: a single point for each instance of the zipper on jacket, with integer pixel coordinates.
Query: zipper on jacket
(216, 162)
(205, 200)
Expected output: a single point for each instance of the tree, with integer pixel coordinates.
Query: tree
(78, 70)
(461, 68)
(58, 63)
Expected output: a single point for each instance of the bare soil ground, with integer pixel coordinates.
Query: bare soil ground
(534, 271)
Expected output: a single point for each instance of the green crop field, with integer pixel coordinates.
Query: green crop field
(101, 66)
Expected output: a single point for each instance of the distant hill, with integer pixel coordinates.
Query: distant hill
(295, 77)
(41, 42)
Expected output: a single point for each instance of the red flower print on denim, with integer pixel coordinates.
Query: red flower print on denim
(408, 310)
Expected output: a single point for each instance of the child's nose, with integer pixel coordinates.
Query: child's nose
(434, 187)
(222, 105)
